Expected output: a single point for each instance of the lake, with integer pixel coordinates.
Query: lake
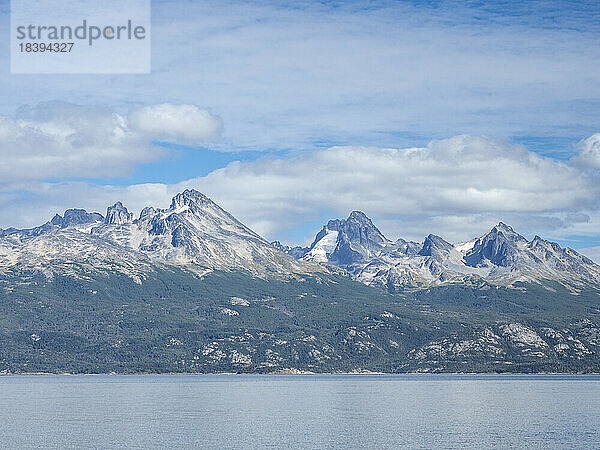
(300, 411)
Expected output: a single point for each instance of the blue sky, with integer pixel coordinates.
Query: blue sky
(289, 80)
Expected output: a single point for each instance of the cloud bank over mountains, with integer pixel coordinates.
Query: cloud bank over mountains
(454, 187)
(343, 91)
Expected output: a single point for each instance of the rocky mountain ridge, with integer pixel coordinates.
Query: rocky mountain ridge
(193, 232)
(501, 257)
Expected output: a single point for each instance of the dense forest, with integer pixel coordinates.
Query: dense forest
(176, 321)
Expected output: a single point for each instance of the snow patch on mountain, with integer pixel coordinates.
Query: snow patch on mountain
(323, 248)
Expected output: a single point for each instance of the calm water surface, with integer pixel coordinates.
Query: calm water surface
(303, 411)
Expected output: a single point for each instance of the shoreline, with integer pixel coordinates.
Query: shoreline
(284, 373)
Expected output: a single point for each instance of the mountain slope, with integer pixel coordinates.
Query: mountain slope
(176, 321)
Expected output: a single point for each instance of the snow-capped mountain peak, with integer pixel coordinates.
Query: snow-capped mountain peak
(194, 231)
(501, 247)
(344, 242)
(197, 233)
(190, 197)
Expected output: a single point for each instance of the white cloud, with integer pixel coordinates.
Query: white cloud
(185, 124)
(459, 176)
(589, 153)
(592, 252)
(456, 188)
(61, 140)
(282, 76)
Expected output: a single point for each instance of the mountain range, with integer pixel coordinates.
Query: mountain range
(500, 257)
(197, 233)
(194, 232)
(189, 288)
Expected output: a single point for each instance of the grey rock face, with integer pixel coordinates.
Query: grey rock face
(147, 212)
(117, 214)
(8, 231)
(194, 232)
(192, 199)
(500, 247)
(73, 217)
(357, 240)
(402, 248)
(565, 260)
(435, 246)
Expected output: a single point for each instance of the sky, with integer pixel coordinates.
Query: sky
(431, 117)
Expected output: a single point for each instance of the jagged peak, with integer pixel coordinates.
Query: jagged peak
(355, 217)
(189, 197)
(358, 215)
(437, 240)
(117, 214)
(192, 193)
(76, 217)
(504, 227)
(197, 203)
(504, 231)
(537, 240)
(57, 219)
(360, 219)
(148, 211)
(357, 238)
(432, 242)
